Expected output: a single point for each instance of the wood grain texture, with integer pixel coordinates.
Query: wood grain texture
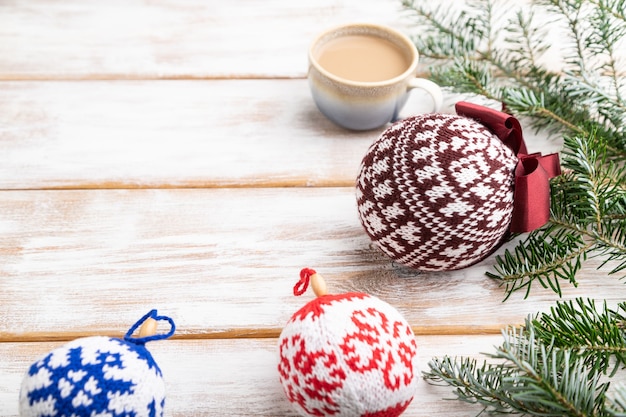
(239, 377)
(223, 263)
(167, 154)
(173, 134)
(190, 39)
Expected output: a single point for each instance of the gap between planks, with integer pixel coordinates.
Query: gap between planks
(268, 333)
(142, 77)
(191, 185)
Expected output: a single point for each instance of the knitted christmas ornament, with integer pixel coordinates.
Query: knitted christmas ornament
(347, 355)
(98, 376)
(440, 191)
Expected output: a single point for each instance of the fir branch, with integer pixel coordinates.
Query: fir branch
(473, 383)
(595, 335)
(617, 405)
(584, 103)
(547, 257)
(617, 8)
(588, 219)
(600, 201)
(470, 77)
(465, 40)
(534, 379)
(555, 365)
(455, 43)
(571, 11)
(532, 103)
(559, 363)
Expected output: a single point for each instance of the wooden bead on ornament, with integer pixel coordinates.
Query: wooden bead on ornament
(439, 192)
(347, 355)
(98, 376)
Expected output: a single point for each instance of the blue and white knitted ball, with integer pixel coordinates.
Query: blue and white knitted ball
(95, 376)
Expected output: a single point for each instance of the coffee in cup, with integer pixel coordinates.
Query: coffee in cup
(360, 75)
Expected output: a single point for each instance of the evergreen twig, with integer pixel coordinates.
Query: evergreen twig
(558, 364)
(564, 362)
(584, 101)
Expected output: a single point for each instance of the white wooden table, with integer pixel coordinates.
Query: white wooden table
(167, 154)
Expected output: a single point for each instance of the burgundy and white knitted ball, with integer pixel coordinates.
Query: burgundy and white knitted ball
(435, 191)
(348, 355)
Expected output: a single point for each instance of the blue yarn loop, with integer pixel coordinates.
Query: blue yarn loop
(143, 340)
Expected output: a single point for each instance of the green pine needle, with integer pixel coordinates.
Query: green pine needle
(558, 364)
(565, 362)
(596, 335)
(496, 49)
(546, 257)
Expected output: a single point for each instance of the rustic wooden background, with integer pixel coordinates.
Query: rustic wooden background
(167, 154)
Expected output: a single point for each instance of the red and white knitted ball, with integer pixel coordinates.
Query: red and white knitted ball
(435, 191)
(348, 355)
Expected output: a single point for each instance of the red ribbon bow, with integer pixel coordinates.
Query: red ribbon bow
(531, 198)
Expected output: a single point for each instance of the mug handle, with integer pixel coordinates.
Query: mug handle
(431, 88)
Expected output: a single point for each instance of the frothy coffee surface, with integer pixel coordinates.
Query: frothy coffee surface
(362, 58)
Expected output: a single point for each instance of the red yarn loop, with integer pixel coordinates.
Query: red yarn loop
(302, 285)
(531, 193)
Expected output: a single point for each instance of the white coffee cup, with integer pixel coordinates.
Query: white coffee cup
(360, 75)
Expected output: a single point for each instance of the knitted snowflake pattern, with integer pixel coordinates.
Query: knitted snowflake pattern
(435, 192)
(348, 355)
(94, 376)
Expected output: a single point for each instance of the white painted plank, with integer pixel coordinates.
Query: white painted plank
(138, 39)
(128, 134)
(234, 111)
(221, 261)
(171, 134)
(239, 377)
